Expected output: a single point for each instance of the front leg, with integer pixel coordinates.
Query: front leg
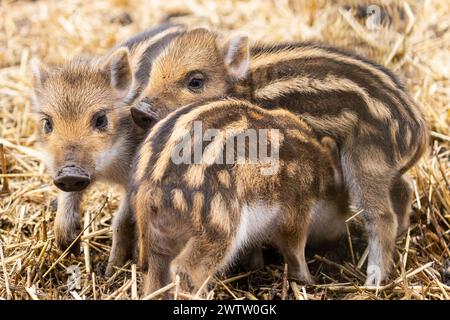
(123, 236)
(68, 220)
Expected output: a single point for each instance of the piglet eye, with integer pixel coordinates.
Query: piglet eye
(47, 125)
(196, 82)
(100, 121)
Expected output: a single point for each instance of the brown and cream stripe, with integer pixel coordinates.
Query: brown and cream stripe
(318, 81)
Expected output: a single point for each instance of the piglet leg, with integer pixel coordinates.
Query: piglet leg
(68, 220)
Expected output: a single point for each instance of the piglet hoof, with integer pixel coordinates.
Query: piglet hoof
(186, 283)
(374, 276)
(67, 241)
(304, 279)
(117, 258)
(310, 281)
(109, 270)
(114, 261)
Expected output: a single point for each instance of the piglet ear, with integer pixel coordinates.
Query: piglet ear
(237, 56)
(40, 71)
(40, 74)
(117, 69)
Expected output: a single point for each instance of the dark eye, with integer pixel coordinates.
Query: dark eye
(196, 82)
(100, 121)
(47, 125)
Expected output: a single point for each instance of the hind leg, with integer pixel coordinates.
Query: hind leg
(157, 250)
(368, 179)
(291, 241)
(402, 196)
(157, 242)
(201, 258)
(252, 259)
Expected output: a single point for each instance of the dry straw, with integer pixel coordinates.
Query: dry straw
(415, 43)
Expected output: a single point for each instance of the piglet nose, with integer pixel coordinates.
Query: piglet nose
(72, 183)
(71, 178)
(144, 119)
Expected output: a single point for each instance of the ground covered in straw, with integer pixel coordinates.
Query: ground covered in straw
(415, 43)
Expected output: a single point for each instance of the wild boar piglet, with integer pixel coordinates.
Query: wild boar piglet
(87, 131)
(214, 178)
(377, 126)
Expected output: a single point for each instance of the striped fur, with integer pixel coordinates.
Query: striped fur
(324, 77)
(328, 81)
(218, 209)
(143, 49)
(363, 106)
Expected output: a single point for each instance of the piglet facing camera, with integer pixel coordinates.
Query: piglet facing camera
(88, 134)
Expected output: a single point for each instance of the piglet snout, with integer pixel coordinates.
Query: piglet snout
(144, 119)
(71, 178)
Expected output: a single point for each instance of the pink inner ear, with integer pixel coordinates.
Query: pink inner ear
(238, 70)
(40, 72)
(237, 57)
